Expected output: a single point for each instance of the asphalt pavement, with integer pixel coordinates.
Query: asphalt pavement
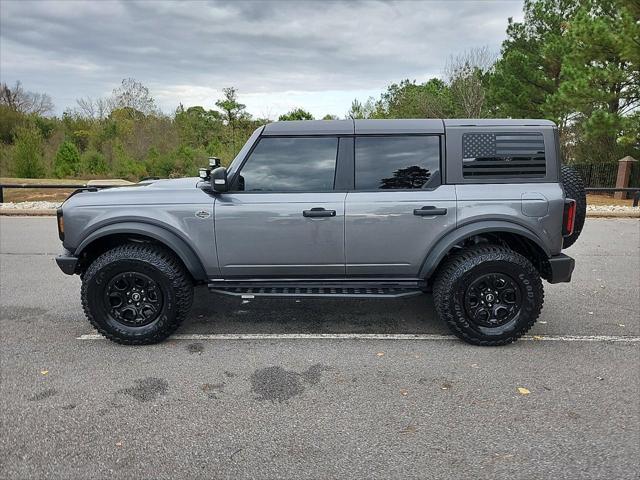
(295, 406)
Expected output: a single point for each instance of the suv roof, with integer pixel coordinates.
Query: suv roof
(394, 126)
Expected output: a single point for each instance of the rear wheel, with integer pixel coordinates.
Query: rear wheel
(488, 295)
(136, 294)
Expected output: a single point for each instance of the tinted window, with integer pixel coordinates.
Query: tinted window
(503, 155)
(289, 165)
(397, 162)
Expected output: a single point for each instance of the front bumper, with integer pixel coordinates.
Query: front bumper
(67, 262)
(560, 268)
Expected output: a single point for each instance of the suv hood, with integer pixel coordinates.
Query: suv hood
(171, 191)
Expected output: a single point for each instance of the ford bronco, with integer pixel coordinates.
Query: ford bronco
(475, 211)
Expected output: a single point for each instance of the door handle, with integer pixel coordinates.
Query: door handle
(429, 210)
(319, 212)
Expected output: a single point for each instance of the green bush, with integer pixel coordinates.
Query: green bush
(66, 163)
(93, 162)
(28, 153)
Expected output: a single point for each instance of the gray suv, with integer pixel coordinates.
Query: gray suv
(476, 211)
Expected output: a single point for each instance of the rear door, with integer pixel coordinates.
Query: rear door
(398, 208)
(282, 216)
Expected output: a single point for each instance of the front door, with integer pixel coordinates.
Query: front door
(282, 216)
(398, 208)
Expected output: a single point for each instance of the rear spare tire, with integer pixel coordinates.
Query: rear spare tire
(574, 188)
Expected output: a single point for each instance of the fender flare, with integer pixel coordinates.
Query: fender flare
(442, 247)
(170, 240)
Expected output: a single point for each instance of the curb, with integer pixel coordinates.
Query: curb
(614, 214)
(27, 212)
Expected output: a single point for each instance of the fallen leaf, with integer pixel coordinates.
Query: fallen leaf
(118, 444)
(538, 337)
(404, 392)
(474, 365)
(380, 354)
(621, 324)
(409, 429)
(44, 372)
(590, 313)
(523, 391)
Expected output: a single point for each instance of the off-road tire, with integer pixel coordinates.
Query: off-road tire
(574, 188)
(462, 268)
(153, 261)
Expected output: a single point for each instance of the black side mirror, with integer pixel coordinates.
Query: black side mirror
(219, 180)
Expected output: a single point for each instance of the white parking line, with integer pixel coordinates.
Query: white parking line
(375, 336)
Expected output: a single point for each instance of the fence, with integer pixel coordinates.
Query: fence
(603, 175)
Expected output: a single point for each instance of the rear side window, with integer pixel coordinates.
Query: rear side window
(290, 165)
(397, 162)
(503, 155)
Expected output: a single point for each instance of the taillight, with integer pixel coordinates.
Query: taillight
(60, 224)
(569, 218)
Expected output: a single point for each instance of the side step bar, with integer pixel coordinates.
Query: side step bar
(341, 289)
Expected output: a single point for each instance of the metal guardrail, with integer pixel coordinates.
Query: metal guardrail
(49, 185)
(636, 192)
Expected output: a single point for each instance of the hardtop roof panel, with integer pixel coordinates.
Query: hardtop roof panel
(310, 127)
(399, 126)
(497, 122)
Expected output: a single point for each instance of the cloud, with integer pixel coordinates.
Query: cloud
(288, 53)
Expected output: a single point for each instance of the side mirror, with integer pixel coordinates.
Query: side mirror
(219, 180)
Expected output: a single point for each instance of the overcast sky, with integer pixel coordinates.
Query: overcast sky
(318, 55)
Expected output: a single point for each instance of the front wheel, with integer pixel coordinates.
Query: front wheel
(488, 295)
(136, 294)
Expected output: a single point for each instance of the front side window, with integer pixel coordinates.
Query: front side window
(290, 165)
(397, 162)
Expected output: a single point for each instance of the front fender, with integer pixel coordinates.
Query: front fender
(442, 247)
(161, 235)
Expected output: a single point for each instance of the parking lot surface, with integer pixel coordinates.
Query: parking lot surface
(285, 403)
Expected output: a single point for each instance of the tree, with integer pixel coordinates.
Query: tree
(528, 76)
(94, 109)
(466, 76)
(409, 99)
(296, 114)
(198, 126)
(361, 110)
(233, 111)
(329, 116)
(28, 153)
(67, 160)
(133, 95)
(601, 79)
(16, 98)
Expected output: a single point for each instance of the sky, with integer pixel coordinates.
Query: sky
(318, 55)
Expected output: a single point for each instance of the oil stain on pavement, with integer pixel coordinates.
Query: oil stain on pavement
(147, 389)
(278, 385)
(50, 392)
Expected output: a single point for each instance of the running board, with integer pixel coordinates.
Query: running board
(340, 290)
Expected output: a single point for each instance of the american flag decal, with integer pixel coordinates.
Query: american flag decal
(503, 155)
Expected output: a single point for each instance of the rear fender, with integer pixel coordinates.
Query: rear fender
(446, 243)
